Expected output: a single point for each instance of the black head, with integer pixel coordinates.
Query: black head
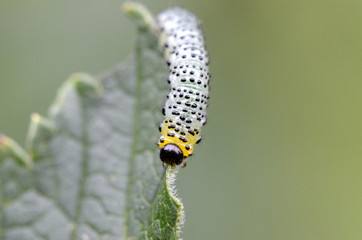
(171, 154)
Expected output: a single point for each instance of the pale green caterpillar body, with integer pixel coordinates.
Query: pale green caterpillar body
(185, 109)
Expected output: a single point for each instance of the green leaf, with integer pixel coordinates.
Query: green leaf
(91, 169)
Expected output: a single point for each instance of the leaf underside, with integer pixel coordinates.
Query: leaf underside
(91, 169)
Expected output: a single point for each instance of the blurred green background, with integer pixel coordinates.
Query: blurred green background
(281, 155)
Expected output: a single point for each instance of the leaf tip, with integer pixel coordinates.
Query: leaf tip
(85, 83)
(35, 117)
(40, 130)
(9, 148)
(127, 6)
(140, 14)
(81, 84)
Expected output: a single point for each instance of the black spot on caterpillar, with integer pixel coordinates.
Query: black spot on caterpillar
(187, 60)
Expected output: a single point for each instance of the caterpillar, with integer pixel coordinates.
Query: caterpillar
(185, 109)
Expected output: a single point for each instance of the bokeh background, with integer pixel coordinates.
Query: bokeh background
(281, 155)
